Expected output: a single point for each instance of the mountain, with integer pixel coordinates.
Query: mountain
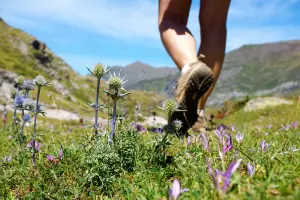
(23, 54)
(139, 71)
(260, 69)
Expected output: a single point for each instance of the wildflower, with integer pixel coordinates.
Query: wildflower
(251, 169)
(295, 125)
(19, 101)
(50, 158)
(26, 118)
(269, 126)
(227, 143)
(233, 128)
(285, 127)
(7, 159)
(239, 137)
(175, 191)
(177, 124)
(27, 86)
(222, 180)
(169, 105)
(19, 80)
(28, 105)
(115, 82)
(99, 70)
(36, 146)
(140, 128)
(40, 81)
(264, 146)
(157, 130)
(53, 159)
(220, 132)
(60, 154)
(10, 137)
(205, 144)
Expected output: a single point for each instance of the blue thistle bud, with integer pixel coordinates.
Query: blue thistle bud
(40, 81)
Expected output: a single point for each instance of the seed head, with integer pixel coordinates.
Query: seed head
(28, 85)
(40, 81)
(98, 70)
(170, 105)
(19, 80)
(115, 82)
(28, 104)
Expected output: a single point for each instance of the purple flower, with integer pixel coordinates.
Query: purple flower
(37, 146)
(251, 169)
(50, 158)
(295, 125)
(140, 128)
(269, 126)
(189, 142)
(175, 191)
(227, 143)
(239, 137)
(205, 144)
(19, 101)
(286, 127)
(60, 154)
(222, 180)
(220, 132)
(157, 130)
(26, 118)
(7, 159)
(265, 146)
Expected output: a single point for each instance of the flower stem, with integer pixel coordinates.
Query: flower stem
(15, 109)
(113, 122)
(96, 105)
(34, 125)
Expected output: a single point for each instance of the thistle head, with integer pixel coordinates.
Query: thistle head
(28, 105)
(170, 105)
(28, 85)
(177, 124)
(19, 80)
(115, 82)
(40, 81)
(99, 70)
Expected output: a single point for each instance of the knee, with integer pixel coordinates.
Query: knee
(217, 24)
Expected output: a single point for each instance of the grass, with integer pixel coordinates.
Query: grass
(151, 175)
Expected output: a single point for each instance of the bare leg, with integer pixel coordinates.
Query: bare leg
(213, 18)
(176, 37)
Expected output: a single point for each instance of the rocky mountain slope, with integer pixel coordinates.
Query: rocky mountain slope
(139, 71)
(262, 69)
(23, 54)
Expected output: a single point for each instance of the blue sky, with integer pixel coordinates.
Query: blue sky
(119, 32)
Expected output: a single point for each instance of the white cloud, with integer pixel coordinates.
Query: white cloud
(136, 20)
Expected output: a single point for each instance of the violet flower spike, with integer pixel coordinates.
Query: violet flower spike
(239, 137)
(251, 169)
(227, 144)
(265, 146)
(220, 132)
(50, 158)
(205, 144)
(295, 125)
(175, 191)
(222, 180)
(60, 154)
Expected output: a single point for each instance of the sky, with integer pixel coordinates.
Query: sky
(120, 32)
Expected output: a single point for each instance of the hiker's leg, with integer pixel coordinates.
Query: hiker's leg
(213, 18)
(176, 37)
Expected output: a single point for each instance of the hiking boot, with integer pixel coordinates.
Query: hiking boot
(191, 86)
(200, 125)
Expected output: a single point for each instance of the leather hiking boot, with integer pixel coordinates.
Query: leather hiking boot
(191, 86)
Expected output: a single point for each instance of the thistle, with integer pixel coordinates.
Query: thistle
(40, 82)
(28, 85)
(98, 71)
(114, 92)
(18, 81)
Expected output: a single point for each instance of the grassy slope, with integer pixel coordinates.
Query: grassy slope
(81, 87)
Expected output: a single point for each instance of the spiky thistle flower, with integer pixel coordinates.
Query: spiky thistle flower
(99, 70)
(19, 80)
(19, 101)
(27, 86)
(177, 124)
(115, 82)
(40, 81)
(28, 105)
